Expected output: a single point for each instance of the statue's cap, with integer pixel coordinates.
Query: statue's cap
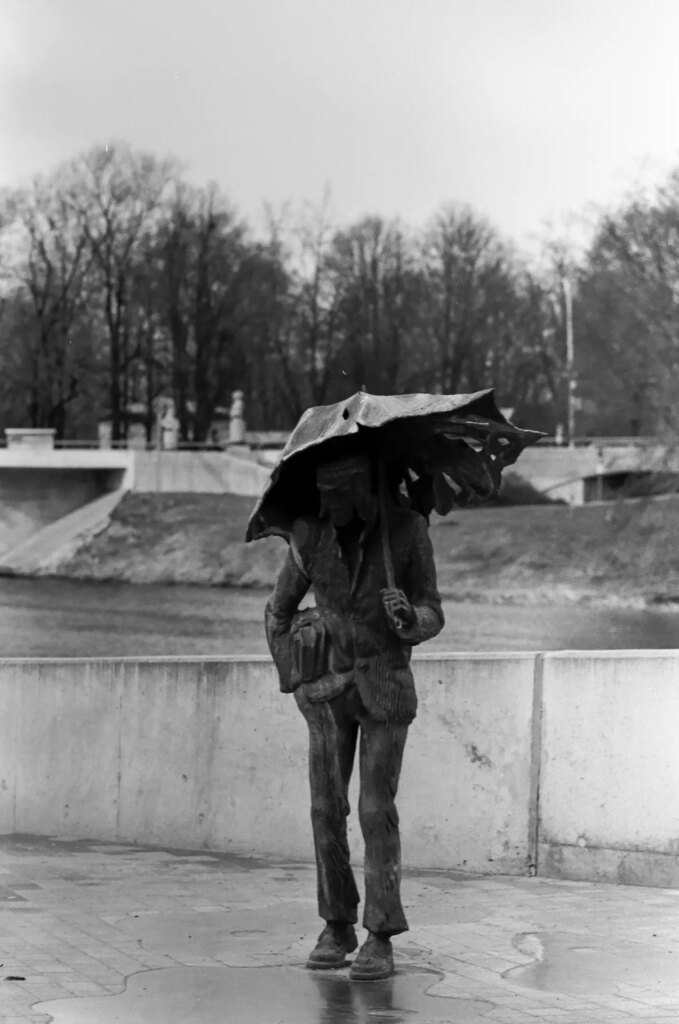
(335, 472)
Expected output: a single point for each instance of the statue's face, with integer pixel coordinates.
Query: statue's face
(340, 504)
(349, 501)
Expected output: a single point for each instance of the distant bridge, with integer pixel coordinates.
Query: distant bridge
(40, 485)
(594, 469)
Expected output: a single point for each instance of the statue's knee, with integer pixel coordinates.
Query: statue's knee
(377, 817)
(325, 817)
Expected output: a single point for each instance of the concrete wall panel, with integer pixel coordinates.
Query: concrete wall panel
(61, 730)
(609, 775)
(207, 753)
(198, 472)
(466, 775)
(213, 755)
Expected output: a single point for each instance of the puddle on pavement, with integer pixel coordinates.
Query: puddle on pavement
(9, 896)
(267, 995)
(578, 964)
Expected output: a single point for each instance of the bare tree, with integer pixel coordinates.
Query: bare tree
(276, 381)
(48, 267)
(381, 292)
(207, 263)
(465, 266)
(629, 314)
(117, 193)
(127, 281)
(302, 342)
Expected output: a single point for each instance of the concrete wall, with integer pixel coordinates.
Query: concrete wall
(198, 472)
(31, 498)
(570, 759)
(33, 457)
(571, 474)
(51, 545)
(558, 472)
(40, 486)
(609, 767)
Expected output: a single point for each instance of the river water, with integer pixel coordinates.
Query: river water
(65, 618)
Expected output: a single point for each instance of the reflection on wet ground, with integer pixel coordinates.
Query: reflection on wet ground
(275, 995)
(581, 964)
(123, 934)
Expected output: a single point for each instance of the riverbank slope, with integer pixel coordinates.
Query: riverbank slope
(615, 553)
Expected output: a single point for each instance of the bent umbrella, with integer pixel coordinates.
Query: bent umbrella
(440, 451)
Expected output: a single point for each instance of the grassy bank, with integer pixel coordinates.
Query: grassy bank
(624, 552)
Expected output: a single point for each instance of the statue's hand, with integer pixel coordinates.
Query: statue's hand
(399, 610)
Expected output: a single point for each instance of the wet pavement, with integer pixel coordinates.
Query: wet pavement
(96, 933)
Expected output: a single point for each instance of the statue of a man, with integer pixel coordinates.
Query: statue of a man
(347, 661)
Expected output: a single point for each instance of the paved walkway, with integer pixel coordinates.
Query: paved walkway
(94, 933)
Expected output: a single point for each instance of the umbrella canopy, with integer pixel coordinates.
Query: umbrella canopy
(440, 451)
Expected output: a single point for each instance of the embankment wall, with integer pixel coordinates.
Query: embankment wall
(39, 486)
(561, 763)
(31, 498)
(198, 472)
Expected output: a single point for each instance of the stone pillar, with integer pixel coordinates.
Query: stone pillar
(237, 421)
(169, 428)
(104, 433)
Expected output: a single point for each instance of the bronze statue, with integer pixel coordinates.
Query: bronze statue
(352, 493)
(347, 662)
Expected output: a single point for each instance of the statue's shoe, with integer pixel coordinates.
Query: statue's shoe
(375, 960)
(330, 952)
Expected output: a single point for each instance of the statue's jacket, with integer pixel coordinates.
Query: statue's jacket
(364, 649)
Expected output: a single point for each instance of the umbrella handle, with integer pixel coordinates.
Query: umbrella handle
(384, 527)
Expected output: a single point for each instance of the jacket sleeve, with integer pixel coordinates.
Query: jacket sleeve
(421, 588)
(291, 586)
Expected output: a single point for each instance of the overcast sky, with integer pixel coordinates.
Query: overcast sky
(526, 109)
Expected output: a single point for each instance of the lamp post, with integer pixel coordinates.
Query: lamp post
(570, 376)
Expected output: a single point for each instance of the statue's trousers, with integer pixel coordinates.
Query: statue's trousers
(335, 727)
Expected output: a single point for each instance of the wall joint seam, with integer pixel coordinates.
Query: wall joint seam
(532, 865)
